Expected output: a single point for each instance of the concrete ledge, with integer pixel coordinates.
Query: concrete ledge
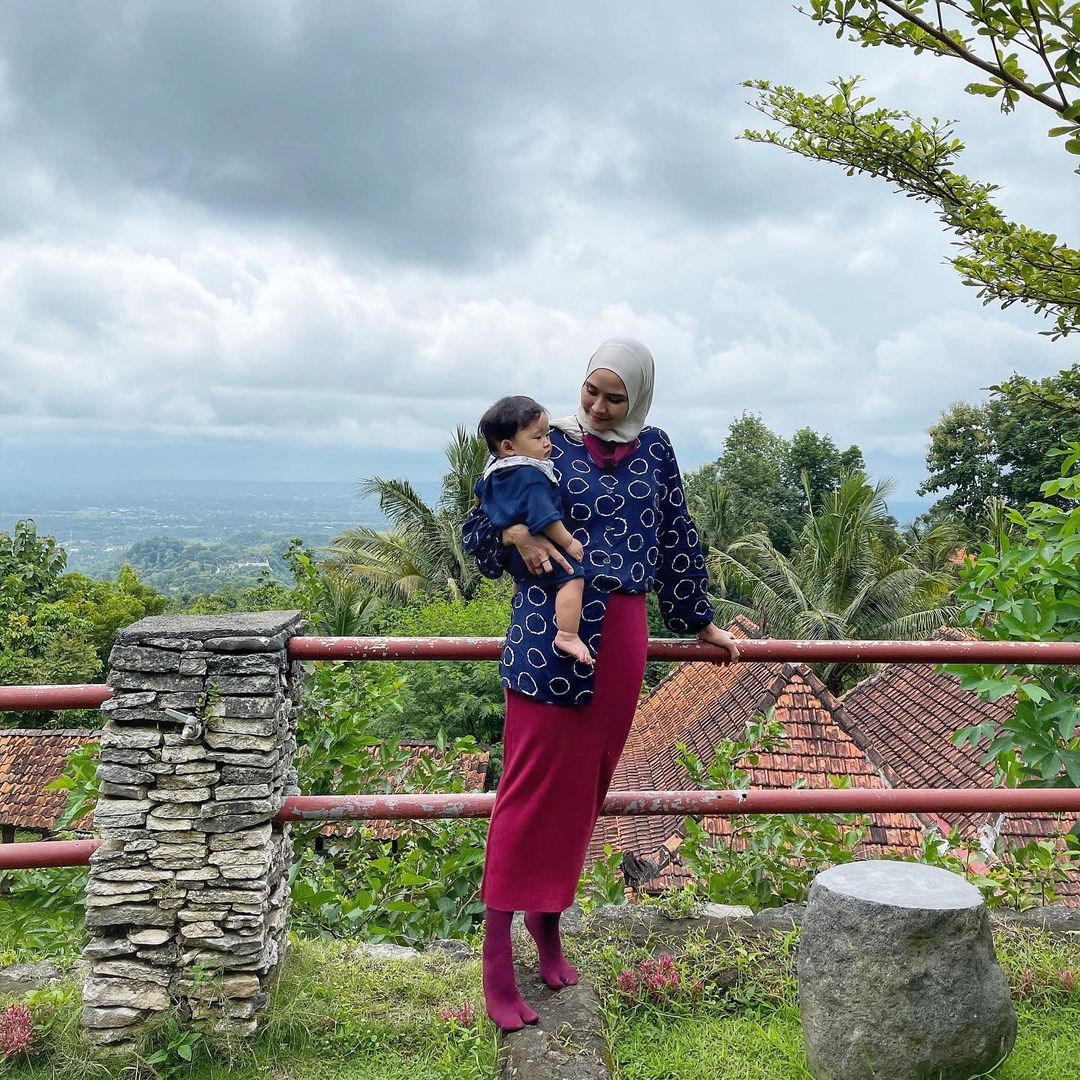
(567, 1044)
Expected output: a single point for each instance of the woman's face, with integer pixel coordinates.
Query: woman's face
(604, 399)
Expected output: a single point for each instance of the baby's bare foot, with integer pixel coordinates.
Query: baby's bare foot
(572, 644)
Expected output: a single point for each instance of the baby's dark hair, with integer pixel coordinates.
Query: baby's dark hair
(506, 418)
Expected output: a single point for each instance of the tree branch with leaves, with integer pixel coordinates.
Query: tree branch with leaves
(1045, 30)
(1007, 262)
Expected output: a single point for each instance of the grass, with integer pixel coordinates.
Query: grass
(744, 1023)
(334, 1016)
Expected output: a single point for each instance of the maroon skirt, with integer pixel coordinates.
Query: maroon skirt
(557, 764)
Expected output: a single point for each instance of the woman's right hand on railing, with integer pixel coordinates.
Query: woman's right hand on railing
(538, 552)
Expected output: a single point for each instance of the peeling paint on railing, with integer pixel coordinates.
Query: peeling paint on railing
(753, 650)
(91, 696)
(310, 808)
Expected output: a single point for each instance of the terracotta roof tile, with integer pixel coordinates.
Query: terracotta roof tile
(892, 730)
(906, 714)
(703, 704)
(30, 759)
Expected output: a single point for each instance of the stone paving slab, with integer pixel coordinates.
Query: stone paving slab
(19, 979)
(1055, 919)
(567, 1044)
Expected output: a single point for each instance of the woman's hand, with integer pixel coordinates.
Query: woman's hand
(711, 634)
(538, 552)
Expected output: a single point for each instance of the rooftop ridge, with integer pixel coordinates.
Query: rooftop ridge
(70, 733)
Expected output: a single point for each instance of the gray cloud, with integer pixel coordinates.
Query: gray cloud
(341, 229)
(427, 132)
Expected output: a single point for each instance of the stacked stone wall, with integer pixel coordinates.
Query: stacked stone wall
(187, 900)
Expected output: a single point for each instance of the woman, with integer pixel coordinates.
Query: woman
(567, 722)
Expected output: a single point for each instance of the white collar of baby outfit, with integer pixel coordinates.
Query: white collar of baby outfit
(546, 467)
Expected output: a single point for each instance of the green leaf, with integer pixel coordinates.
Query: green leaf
(1072, 769)
(1034, 692)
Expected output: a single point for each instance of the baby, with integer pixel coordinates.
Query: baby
(518, 487)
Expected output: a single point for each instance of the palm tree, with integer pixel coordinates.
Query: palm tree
(719, 525)
(346, 605)
(422, 550)
(334, 604)
(846, 578)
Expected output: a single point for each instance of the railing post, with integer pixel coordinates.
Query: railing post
(187, 900)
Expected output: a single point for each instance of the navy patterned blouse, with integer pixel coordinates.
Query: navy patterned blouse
(638, 537)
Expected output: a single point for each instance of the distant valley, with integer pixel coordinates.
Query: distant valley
(192, 537)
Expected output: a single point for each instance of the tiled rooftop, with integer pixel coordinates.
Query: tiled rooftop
(702, 704)
(30, 759)
(905, 716)
(893, 730)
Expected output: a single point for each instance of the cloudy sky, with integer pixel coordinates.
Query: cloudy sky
(292, 239)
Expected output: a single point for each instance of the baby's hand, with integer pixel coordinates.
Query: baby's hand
(575, 550)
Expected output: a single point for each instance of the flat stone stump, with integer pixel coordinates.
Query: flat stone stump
(898, 978)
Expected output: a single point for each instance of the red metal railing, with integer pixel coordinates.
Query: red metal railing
(92, 695)
(72, 696)
(753, 650)
(312, 808)
(380, 807)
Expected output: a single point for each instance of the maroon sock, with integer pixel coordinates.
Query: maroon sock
(554, 970)
(505, 1005)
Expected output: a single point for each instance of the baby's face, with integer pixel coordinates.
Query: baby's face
(533, 440)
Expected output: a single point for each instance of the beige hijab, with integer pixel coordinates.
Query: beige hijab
(633, 363)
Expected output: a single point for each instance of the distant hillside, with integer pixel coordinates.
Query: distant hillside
(194, 566)
(219, 523)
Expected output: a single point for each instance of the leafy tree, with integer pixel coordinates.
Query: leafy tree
(359, 885)
(845, 579)
(712, 509)
(813, 465)
(30, 565)
(752, 467)
(186, 569)
(109, 606)
(1005, 261)
(997, 450)
(266, 595)
(934, 545)
(461, 698)
(422, 552)
(333, 603)
(961, 457)
(756, 484)
(765, 859)
(1058, 394)
(42, 639)
(1029, 590)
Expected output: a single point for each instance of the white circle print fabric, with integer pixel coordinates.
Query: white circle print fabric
(638, 537)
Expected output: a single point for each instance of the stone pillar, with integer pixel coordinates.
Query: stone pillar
(898, 979)
(187, 901)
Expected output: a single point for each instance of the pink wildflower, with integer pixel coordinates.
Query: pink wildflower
(659, 979)
(1068, 980)
(462, 1015)
(16, 1030)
